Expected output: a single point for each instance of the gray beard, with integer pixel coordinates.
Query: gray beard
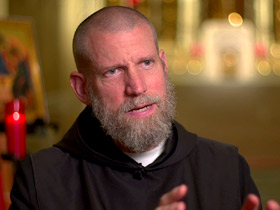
(137, 135)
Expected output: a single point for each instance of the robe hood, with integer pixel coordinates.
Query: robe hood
(87, 140)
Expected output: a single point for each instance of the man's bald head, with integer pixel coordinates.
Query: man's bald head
(107, 20)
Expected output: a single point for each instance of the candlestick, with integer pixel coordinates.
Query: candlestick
(15, 128)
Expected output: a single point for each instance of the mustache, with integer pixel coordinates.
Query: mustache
(144, 99)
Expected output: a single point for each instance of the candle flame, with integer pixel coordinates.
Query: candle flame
(16, 116)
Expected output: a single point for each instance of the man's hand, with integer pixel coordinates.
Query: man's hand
(252, 202)
(171, 200)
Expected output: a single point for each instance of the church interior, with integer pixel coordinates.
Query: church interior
(223, 58)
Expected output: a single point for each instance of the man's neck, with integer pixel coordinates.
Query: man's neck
(148, 157)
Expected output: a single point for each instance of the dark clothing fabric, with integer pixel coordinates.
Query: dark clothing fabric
(87, 171)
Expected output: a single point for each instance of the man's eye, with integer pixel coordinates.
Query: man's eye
(147, 62)
(113, 71)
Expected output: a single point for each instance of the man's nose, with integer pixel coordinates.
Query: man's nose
(135, 83)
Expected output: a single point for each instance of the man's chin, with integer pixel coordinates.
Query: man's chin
(135, 120)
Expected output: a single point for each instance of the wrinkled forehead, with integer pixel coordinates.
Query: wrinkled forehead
(137, 40)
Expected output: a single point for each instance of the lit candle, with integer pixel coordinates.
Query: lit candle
(15, 129)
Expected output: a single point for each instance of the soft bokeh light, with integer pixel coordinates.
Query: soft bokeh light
(194, 67)
(235, 19)
(133, 2)
(264, 68)
(275, 50)
(261, 49)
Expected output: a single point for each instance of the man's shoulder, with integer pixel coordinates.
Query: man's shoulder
(50, 162)
(198, 143)
(49, 157)
(220, 156)
(210, 144)
(50, 152)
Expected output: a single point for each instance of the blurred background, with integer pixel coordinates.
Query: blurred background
(223, 56)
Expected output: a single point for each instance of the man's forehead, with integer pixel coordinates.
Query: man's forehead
(140, 37)
(99, 31)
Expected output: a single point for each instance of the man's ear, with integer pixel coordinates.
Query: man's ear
(78, 84)
(163, 59)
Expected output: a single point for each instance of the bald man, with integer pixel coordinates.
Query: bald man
(125, 150)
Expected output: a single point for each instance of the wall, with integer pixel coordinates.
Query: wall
(246, 116)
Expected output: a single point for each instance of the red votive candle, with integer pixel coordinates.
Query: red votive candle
(15, 128)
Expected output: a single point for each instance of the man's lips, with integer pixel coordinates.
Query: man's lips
(141, 108)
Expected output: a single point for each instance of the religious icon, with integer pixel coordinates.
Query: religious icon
(20, 75)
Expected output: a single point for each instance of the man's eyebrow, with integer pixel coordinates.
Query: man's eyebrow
(103, 68)
(148, 57)
(110, 67)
